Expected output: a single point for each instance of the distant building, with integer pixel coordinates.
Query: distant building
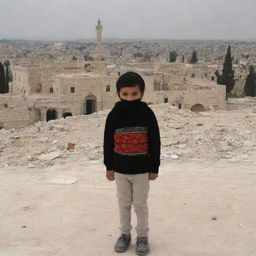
(48, 90)
(98, 51)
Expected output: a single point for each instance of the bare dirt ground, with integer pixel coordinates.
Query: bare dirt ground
(197, 208)
(56, 201)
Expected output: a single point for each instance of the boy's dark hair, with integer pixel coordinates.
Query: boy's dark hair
(130, 79)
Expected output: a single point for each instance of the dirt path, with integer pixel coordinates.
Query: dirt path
(71, 210)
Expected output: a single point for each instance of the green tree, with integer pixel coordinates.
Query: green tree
(147, 57)
(74, 58)
(87, 57)
(172, 56)
(250, 83)
(7, 76)
(138, 54)
(194, 58)
(227, 76)
(2, 79)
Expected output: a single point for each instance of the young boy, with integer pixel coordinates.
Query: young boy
(132, 157)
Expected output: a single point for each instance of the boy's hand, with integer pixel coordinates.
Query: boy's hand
(152, 176)
(110, 174)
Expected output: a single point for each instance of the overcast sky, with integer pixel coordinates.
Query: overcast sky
(145, 19)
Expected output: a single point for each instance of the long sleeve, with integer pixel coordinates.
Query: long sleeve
(154, 143)
(108, 144)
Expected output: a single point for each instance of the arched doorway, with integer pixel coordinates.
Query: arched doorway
(89, 104)
(197, 108)
(51, 114)
(66, 114)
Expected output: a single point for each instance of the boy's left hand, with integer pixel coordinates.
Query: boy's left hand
(152, 176)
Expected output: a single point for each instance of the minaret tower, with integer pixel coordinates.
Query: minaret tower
(98, 50)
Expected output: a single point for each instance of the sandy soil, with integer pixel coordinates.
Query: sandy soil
(71, 209)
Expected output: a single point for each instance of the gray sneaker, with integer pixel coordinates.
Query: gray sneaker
(142, 247)
(122, 243)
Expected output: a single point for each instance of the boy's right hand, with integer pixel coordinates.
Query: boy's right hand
(110, 174)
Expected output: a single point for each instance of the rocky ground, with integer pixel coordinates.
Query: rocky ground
(56, 201)
(184, 135)
(197, 208)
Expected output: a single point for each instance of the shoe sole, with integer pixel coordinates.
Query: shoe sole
(142, 253)
(118, 250)
(121, 250)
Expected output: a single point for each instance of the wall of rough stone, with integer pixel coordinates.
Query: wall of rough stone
(212, 98)
(28, 79)
(14, 112)
(34, 84)
(84, 88)
(61, 106)
(20, 80)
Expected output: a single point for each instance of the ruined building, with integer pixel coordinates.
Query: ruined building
(61, 89)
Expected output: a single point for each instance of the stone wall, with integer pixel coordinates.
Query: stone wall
(78, 93)
(211, 98)
(86, 87)
(14, 112)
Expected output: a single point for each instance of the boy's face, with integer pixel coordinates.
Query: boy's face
(130, 93)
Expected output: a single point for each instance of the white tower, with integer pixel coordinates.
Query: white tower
(98, 50)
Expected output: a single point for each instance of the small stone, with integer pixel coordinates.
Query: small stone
(183, 139)
(71, 146)
(58, 127)
(32, 166)
(174, 157)
(92, 157)
(244, 156)
(49, 156)
(43, 140)
(61, 147)
(214, 217)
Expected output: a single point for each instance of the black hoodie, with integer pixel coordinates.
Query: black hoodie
(131, 138)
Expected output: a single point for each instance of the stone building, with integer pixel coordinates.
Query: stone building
(98, 50)
(44, 91)
(47, 93)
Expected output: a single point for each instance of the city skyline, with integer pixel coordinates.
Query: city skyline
(129, 19)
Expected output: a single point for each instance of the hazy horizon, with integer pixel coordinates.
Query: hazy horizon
(73, 20)
(93, 40)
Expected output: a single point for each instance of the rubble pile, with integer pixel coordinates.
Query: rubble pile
(184, 135)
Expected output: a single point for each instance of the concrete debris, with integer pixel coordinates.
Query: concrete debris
(32, 166)
(214, 217)
(174, 157)
(63, 181)
(43, 139)
(184, 135)
(71, 146)
(58, 127)
(49, 156)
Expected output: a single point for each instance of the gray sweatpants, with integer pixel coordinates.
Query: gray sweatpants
(133, 190)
